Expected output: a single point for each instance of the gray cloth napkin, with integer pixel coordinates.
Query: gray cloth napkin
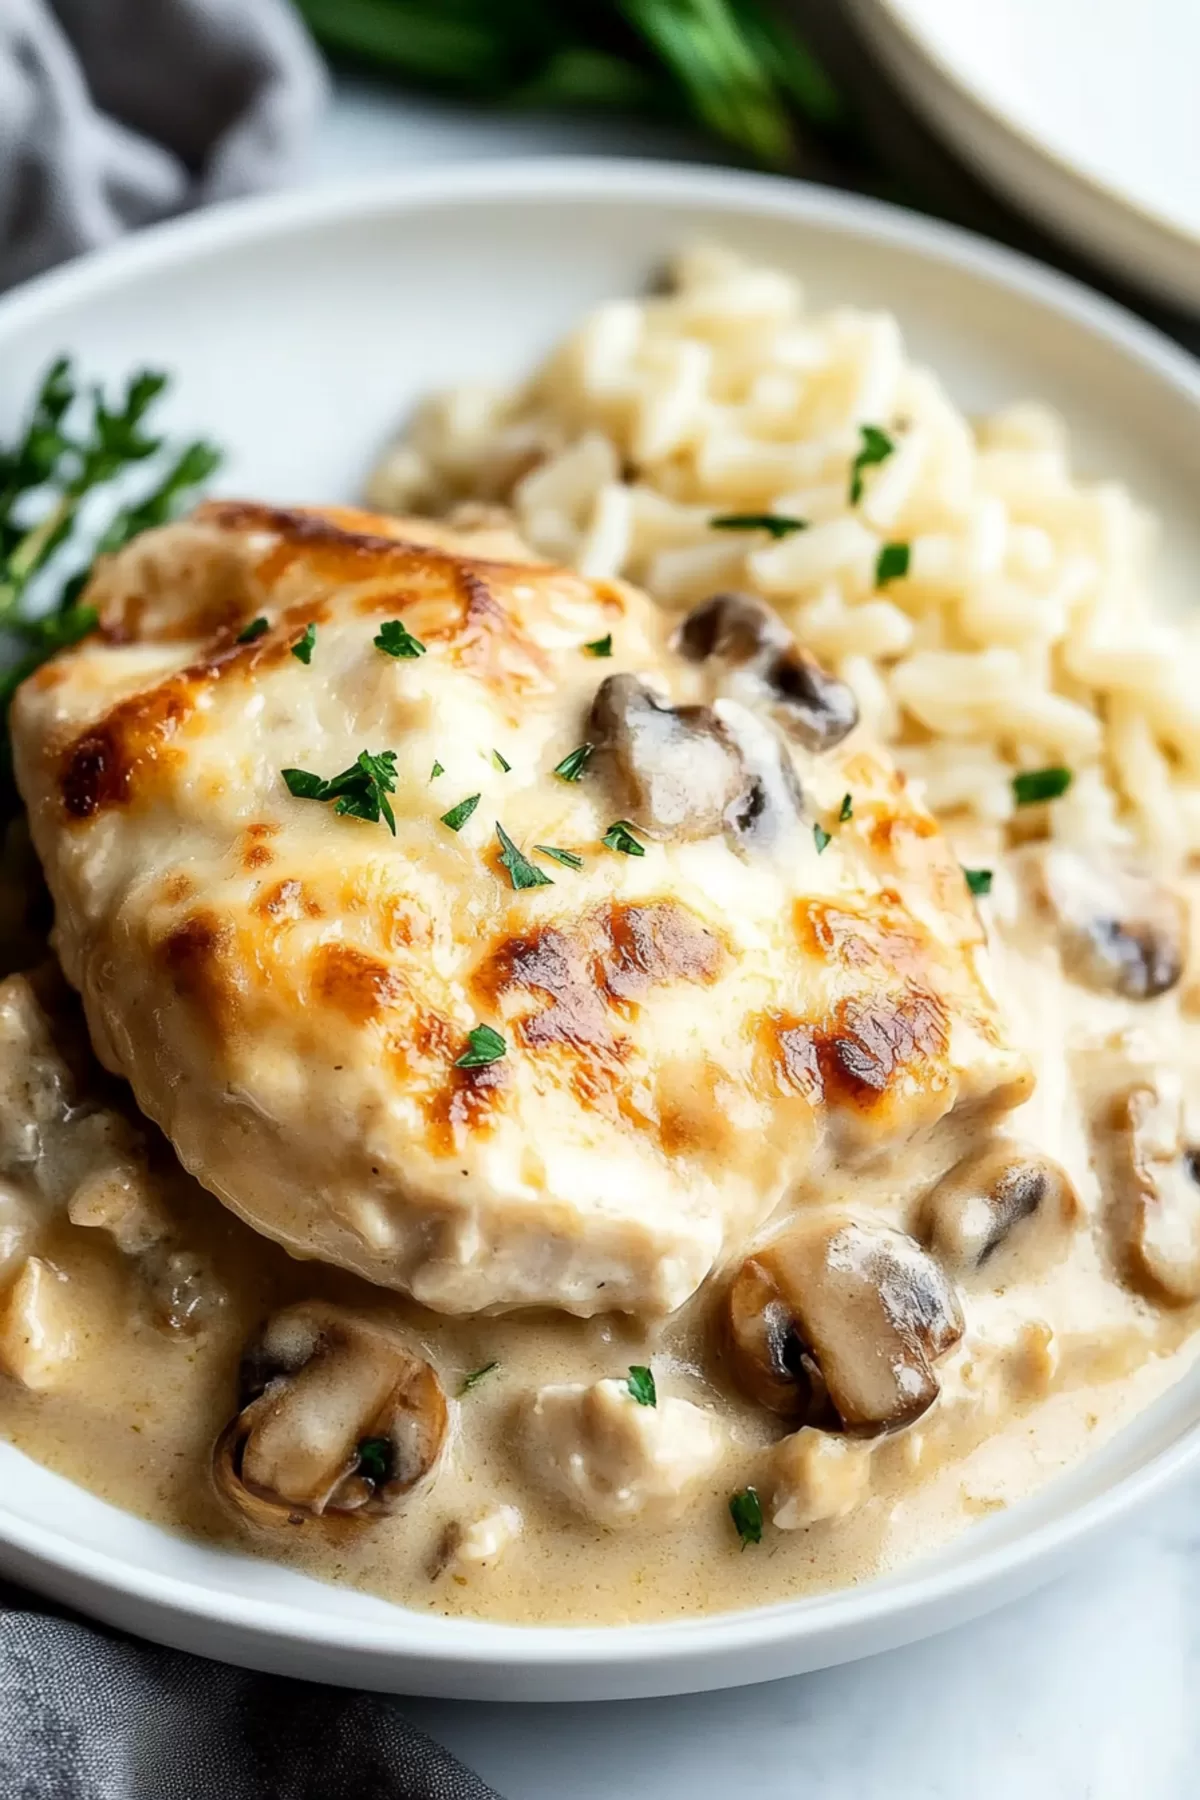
(87, 1715)
(117, 113)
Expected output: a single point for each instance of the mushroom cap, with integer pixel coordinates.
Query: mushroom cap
(768, 668)
(1157, 1191)
(837, 1323)
(340, 1416)
(978, 1205)
(1120, 930)
(677, 766)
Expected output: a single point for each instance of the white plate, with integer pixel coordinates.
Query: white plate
(300, 330)
(1082, 112)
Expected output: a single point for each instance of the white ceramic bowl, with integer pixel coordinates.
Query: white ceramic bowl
(300, 329)
(1080, 112)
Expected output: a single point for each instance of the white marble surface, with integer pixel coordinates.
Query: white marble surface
(1088, 1691)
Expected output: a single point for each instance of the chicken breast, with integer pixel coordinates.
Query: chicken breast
(777, 964)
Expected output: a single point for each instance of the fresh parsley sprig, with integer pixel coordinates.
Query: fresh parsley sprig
(777, 525)
(875, 446)
(361, 791)
(521, 872)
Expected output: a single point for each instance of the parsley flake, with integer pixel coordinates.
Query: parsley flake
(847, 809)
(436, 770)
(475, 1377)
(745, 1509)
(574, 763)
(877, 446)
(979, 880)
(891, 563)
(498, 762)
(253, 630)
(780, 525)
(641, 1385)
(619, 836)
(522, 872)
(1040, 784)
(484, 1046)
(375, 1459)
(395, 639)
(302, 649)
(820, 838)
(458, 815)
(567, 858)
(600, 646)
(361, 791)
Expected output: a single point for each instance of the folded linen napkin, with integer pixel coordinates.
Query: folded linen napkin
(88, 1715)
(117, 113)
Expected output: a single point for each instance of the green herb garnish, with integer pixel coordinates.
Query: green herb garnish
(600, 646)
(641, 1385)
(575, 762)
(780, 525)
(891, 563)
(360, 792)
(375, 1459)
(745, 1509)
(498, 762)
(877, 446)
(619, 836)
(1040, 784)
(979, 880)
(302, 649)
(395, 639)
(436, 770)
(475, 1377)
(484, 1046)
(847, 809)
(522, 872)
(253, 630)
(458, 815)
(820, 838)
(567, 858)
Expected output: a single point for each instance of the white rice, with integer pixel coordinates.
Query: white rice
(1023, 634)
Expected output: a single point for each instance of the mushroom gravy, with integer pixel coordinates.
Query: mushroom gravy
(1059, 1302)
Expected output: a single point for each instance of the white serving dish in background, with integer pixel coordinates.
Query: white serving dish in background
(299, 330)
(1081, 112)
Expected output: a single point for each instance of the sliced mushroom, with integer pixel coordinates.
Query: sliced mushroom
(678, 767)
(1156, 1193)
(979, 1204)
(1121, 931)
(769, 810)
(340, 1415)
(834, 1323)
(765, 666)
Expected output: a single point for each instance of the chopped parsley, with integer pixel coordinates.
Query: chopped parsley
(253, 630)
(641, 1385)
(395, 639)
(745, 1509)
(484, 1046)
(458, 815)
(979, 880)
(600, 646)
(619, 836)
(522, 872)
(847, 809)
(475, 1377)
(302, 649)
(780, 525)
(876, 447)
(1040, 784)
(891, 563)
(361, 791)
(574, 762)
(567, 858)
(436, 770)
(820, 838)
(498, 762)
(375, 1459)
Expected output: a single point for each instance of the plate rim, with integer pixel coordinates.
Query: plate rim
(687, 1645)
